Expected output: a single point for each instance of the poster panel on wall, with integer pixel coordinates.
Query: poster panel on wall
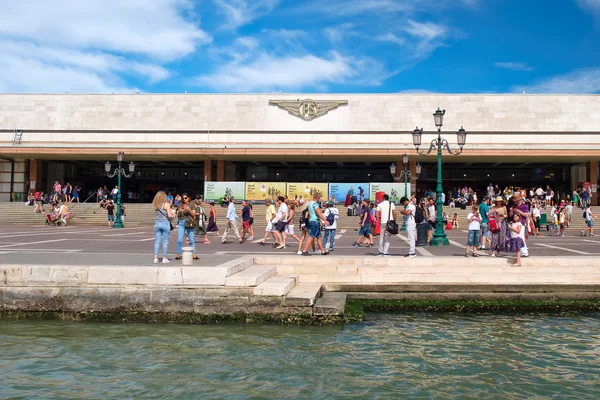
(393, 189)
(259, 191)
(306, 190)
(213, 191)
(343, 192)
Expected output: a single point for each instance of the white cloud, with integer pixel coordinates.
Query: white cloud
(591, 5)
(581, 81)
(27, 75)
(514, 66)
(242, 12)
(155, 28)
(390, 37)
(426, 31)
(271, 73)
(95, 42)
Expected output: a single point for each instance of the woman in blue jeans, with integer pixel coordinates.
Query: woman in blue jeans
(162, 224)
(186, 214)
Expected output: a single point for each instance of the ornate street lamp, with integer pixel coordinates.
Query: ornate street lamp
(406, 174)
(439, 236)
(119, 171)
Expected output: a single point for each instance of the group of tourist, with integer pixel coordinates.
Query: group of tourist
(59, 194)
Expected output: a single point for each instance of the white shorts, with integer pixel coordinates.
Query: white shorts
(548, 197)
(289, 229)
(269, 227)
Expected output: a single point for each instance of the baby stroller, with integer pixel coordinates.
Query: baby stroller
(53, 219)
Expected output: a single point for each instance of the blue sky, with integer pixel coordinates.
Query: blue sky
(354, 46)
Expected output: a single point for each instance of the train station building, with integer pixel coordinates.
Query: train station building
(180, 141)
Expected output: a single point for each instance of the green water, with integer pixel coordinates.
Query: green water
(392, 356)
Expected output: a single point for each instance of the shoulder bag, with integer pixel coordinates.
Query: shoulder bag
(391, 226)
(171, 227)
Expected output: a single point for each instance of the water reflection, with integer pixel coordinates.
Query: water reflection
(391, 356)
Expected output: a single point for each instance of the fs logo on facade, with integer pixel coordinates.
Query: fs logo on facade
(308, 109)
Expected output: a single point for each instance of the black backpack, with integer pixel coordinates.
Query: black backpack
(584, 214)
(419, 216)
(330, 217)
(304, 217)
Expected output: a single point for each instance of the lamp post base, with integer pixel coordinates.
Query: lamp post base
(118, 225)
(439, 240)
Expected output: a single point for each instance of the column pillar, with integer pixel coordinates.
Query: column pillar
(220, 170)
(399, 167)
(208, 170)
(592, 176)
(35, 176)
(412, 166)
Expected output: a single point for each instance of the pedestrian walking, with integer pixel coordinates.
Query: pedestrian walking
(289, 228)
(110, 212)
(231, 226)
(245, 219)
(314, 219)
(270, 215)
(331, 215)
(589, 221)
(474, 219)
(386, 210)
(281, 217)
(212, 219)
(411, 226)
(365, 225)
(162, 225)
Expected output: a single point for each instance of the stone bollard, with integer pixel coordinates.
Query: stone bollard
(186, 256)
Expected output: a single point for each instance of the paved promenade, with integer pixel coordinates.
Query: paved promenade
(134, 246)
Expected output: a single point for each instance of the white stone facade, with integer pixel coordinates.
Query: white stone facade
(219, 121)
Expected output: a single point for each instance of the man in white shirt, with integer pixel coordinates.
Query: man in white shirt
(231, 223)
(539, 193)
(383, 216)
(411, 225)
(280, 222)
(589, 221)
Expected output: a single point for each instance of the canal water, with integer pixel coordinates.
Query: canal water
(445, 356)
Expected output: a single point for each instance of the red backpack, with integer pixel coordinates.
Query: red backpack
(494, 221)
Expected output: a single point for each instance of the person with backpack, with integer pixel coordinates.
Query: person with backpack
(304, 228)
(386, 210)
(365, 226)
(589, 221)
(498, 227)
(314, 216)
(331, 215)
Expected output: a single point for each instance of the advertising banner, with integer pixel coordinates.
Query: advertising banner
(216, 190)
(343, 192)
(259, 191)
(393, 189)
(306, 190)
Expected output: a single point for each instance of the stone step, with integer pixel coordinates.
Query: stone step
(277, 285)
(330, 304)
(252, 276)
(303, 295)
